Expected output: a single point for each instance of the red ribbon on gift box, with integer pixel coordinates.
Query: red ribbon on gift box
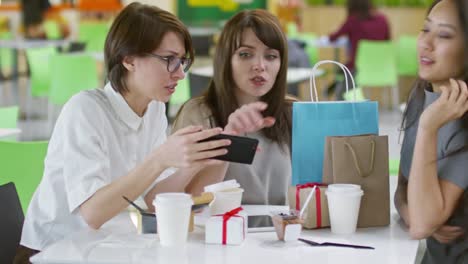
(318, 202)
(226, 216)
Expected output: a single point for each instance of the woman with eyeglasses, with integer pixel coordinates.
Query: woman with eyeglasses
(247, 96)
(111, 142)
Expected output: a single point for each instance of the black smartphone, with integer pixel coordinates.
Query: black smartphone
(241, 150)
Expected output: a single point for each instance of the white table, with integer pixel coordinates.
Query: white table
(392, 245)
(6, 132)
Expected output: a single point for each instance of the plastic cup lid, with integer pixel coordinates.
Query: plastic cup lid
(173, 199)
(344, 187)
(217, 187)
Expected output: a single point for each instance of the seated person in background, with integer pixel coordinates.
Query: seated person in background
(111, 142)
(33, 13)
(362, 22)
(247, 96)
(431, 196)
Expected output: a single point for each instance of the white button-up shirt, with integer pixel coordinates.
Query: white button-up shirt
(97, 139)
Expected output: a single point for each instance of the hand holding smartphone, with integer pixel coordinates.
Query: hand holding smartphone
(241, 150)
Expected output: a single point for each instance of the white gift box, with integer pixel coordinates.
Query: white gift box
(236, 229)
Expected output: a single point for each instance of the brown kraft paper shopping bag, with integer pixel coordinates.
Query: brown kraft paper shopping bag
(316, 214)
(361, 160)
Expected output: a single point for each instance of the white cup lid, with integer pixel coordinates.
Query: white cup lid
(344, 187)
(222, 186)
(174, 199)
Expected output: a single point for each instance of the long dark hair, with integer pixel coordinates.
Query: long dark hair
(138, 30)
(220, 96)
(415, 103)
(360, 8)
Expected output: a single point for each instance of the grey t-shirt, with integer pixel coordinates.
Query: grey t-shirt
(451, 167)
(267, 179)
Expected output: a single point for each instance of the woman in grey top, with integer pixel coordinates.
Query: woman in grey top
(247, 97)
(431, 196)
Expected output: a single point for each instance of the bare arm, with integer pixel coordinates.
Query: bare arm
(107, 201)
(181, 150)
(177, 182)
(431, 201)
(401, 199)
(207, 176)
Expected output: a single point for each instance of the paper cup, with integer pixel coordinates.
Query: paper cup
(225, 201)
(343, 205)
(173, 214)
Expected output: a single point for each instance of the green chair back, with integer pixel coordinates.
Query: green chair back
(6, 56)
(394, 166)
(23, 164)
(52, 29)
(376, 64)
(39, 65)
(71, 73)
(9, 116)
(407, 57)
(94, 35)
(311, 48)
(182, 92)
(291, 29)
(349, 96)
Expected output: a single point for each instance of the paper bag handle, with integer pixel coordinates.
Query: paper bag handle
(313, 85)
(356, 163)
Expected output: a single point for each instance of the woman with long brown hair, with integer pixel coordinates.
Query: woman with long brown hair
(431, 196)
(247, 96)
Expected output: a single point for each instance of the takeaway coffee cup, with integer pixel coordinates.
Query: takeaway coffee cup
(173, 214)
(343, 204)
(227, 196)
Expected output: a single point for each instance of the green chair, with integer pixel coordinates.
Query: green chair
(39, 65)
(394, 166)
(9, 116)
(311, 48)
(94, 35)
(70, 74)
(407, 56)
(39, 79)
(23, 164)
(291, 29)
(52, 29)
(182, 92)
(349, 96)
(180, 96)
(376, 67)
(6, 56)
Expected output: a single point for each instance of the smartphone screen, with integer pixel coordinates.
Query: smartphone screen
(260, 223)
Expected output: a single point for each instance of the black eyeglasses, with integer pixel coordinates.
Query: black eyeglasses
(173, 62)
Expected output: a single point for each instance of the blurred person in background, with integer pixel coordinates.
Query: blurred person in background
(363, 21)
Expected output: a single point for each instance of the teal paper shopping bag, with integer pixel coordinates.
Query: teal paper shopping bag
(314, 121)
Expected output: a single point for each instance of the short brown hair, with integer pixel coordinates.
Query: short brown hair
(136, 31)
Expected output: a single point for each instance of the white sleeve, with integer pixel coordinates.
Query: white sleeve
(86, 165)
(158, 142)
